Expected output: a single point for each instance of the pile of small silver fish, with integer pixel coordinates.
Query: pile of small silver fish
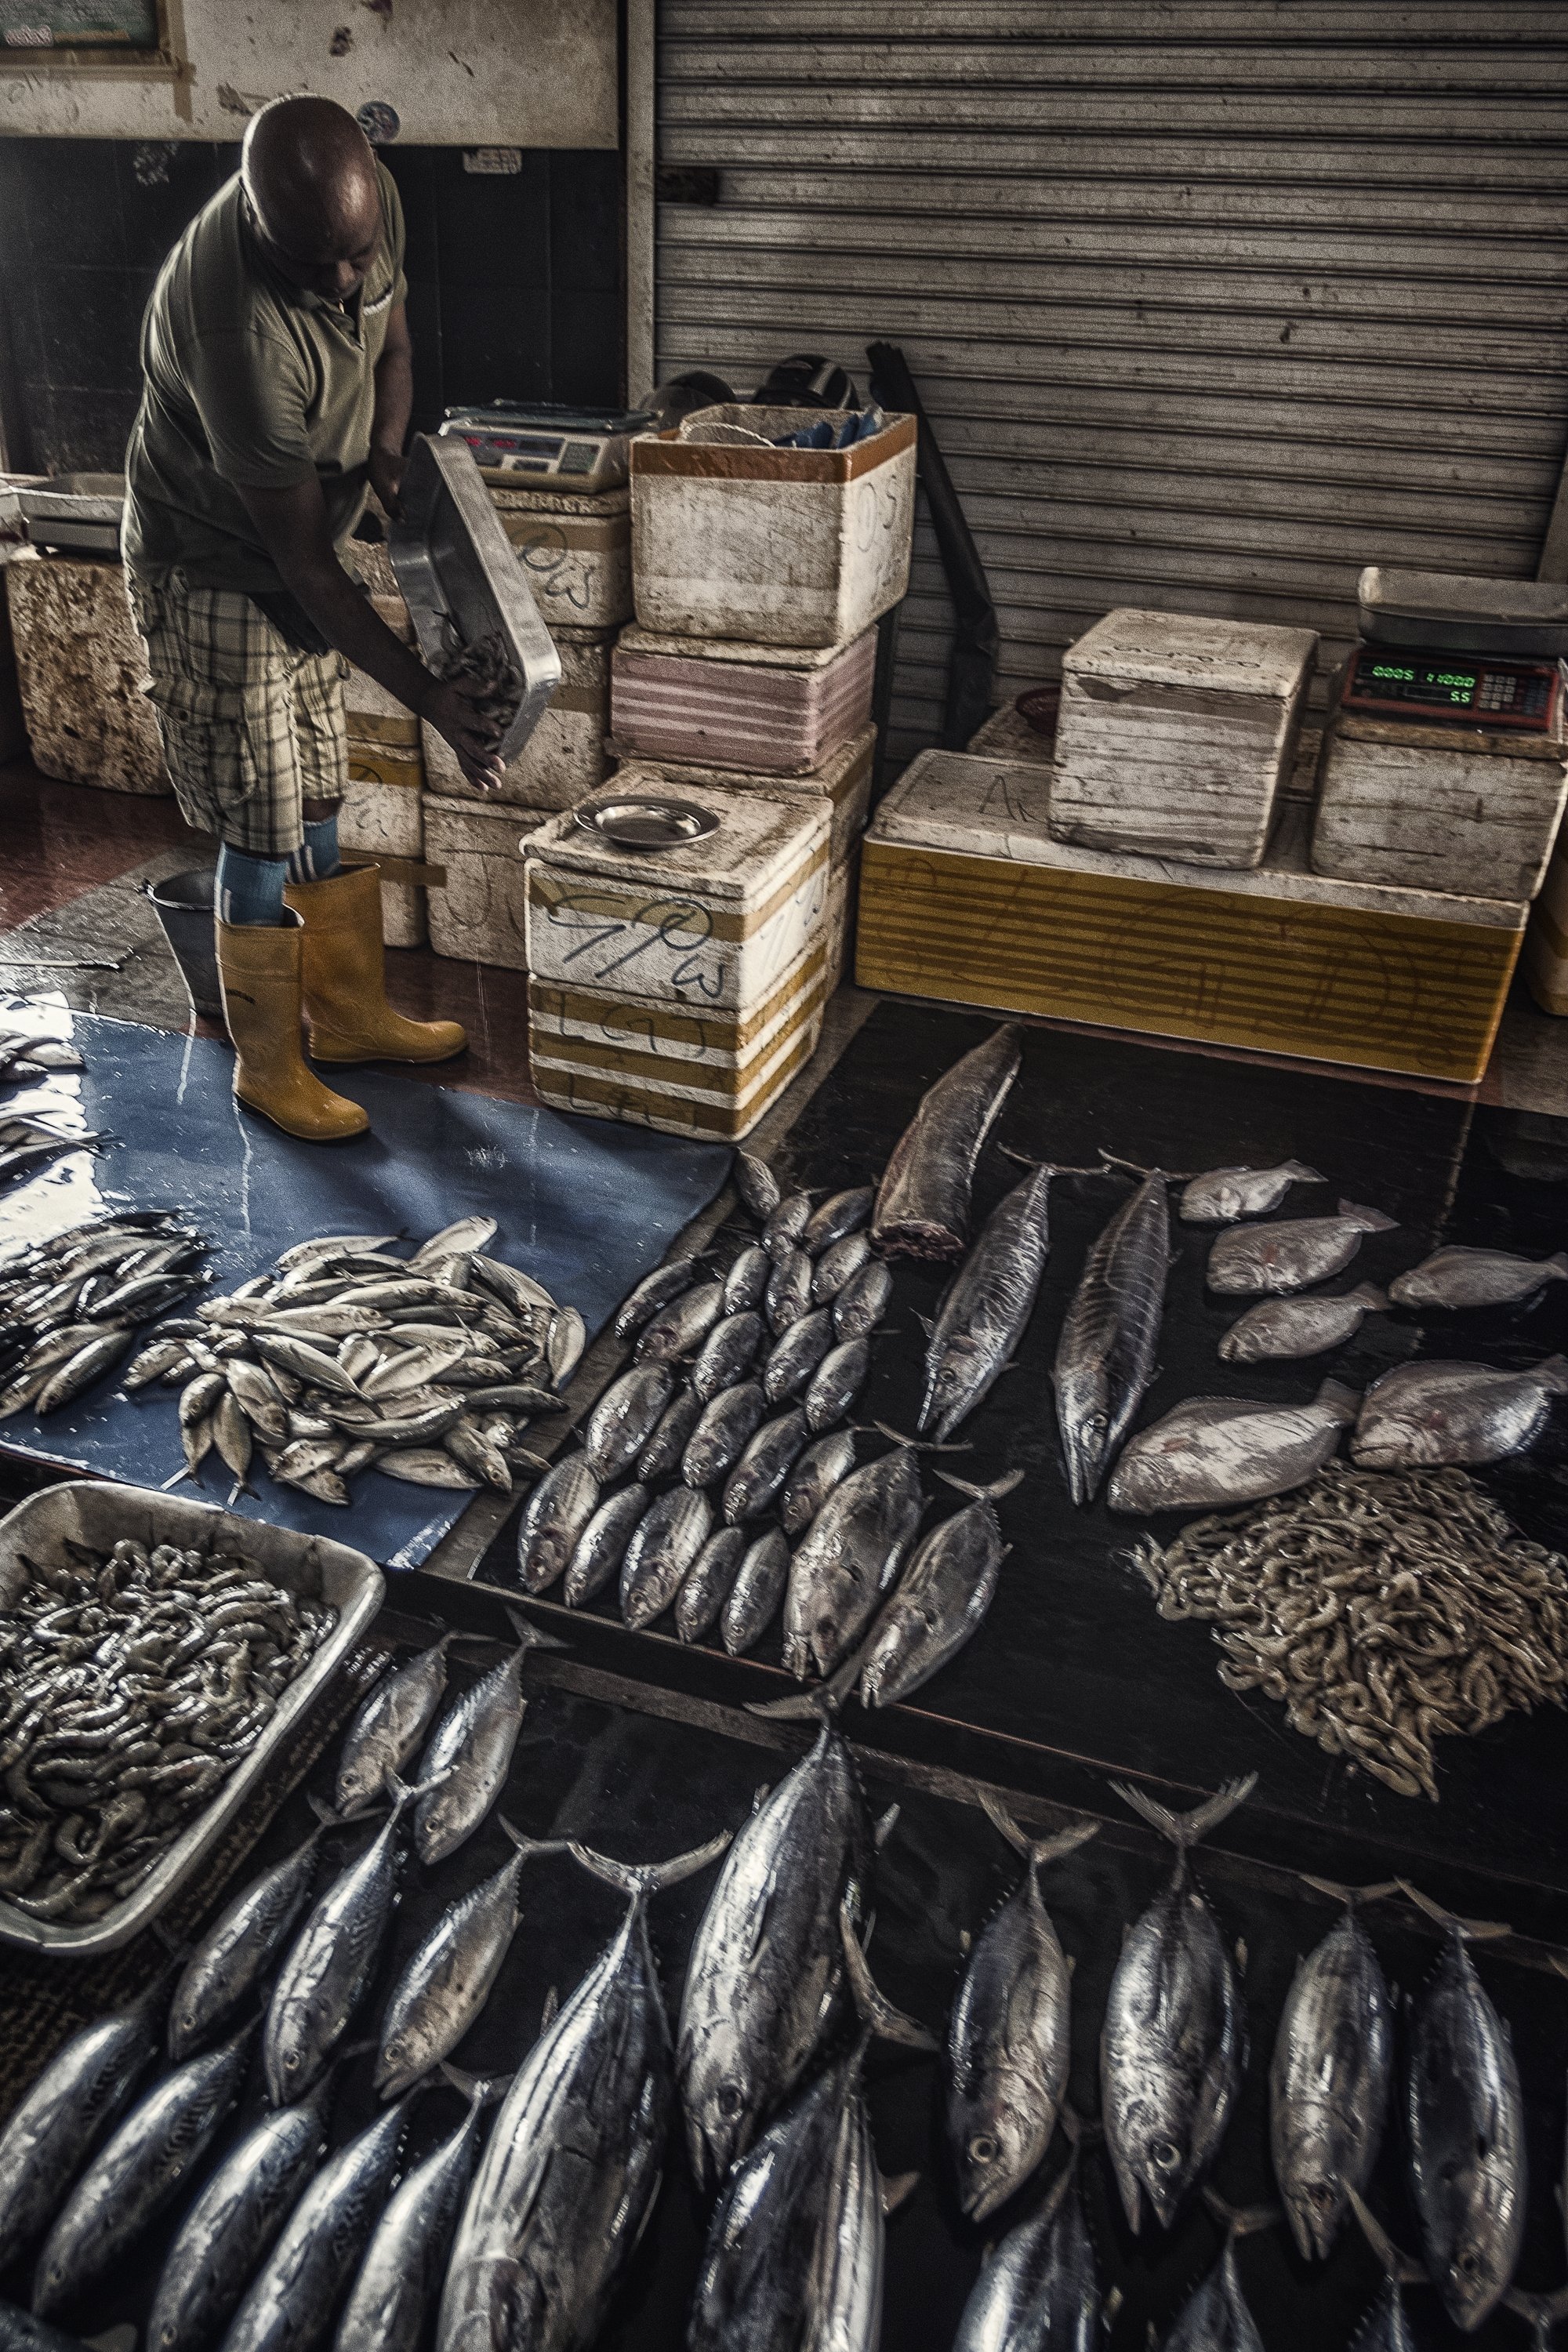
(138, 1680)
(345, 1357)
(70, 1306)
(1382, 1611)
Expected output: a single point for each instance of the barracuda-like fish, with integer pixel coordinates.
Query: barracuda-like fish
(766, 1970)
(660, 1555)
(821, 1467)
(1039, 2291)
(463, 1770)
(1210, 1453)
(391, 2305)
(572, 2165)
(683, 1326)
(1171, 2046)
(922, 1203)
(724, 1429)
(1457, 1277)
(1224, 1194)
(769, 1457)
(987, 1308)
(59, 2122)
(447, 1982)
(389, 1726)
(706, 1585)
(794, 2252)
(727, 1354)
(233, 1956)
(835, 1220)
(1422, 1415)
(138, 2174)
(601, 1546)
(1293, 1328)
(746, 1283)
(293, 2299)
(839, 1263)
(939, 1602)
(1105, 1357)
(754, 1596)
(848, 1559)
(329, 1964)
(1293, 1254)
(1329, 2080)
(233, 2224)
(795, 1355)
(554, 1519)
(1009, 2041)
(1465, 2119)
(626, 1416)
(654, 1291)
(864, 1298)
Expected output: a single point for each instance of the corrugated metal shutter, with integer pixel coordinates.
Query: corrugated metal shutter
(1212, 301)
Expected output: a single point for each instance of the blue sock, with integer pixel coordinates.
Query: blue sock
(250, 889)
(316, 859)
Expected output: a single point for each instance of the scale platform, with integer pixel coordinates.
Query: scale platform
(570, 449)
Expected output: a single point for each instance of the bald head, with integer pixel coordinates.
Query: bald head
(309, 174)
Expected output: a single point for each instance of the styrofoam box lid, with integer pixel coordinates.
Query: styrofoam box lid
(636, 640)
(1188, 649)
(498, 828)
(833, 777)
(988, 808)
(758, 842)
(513, 495)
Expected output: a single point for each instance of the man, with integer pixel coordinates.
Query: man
(277, 391)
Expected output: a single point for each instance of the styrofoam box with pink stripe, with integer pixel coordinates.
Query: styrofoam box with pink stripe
(761, 711)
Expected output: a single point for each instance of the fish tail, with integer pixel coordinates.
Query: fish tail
(1036, 1851)
(1185, 1829)
(1350, 1895)
(640, 1880)
(1552, 1373)
(1241, 2221)
(479, 2090)
(1338, 1398)
(1540, 2312)
(991, 1494)
(1368, 1295)
(532, 1847)
(1558, 1262)
(1302, 1173)
(1373, 1220)
(531, 1636)
(1477, 1931)
(876, 2013)
(1079, 2131)
(821, 1702)
(1403, 2268)
(918, 1445)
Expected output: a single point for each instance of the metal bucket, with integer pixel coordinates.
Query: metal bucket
(184, 907)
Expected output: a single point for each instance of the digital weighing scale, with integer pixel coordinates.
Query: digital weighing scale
(574, 448)
(1385, 681)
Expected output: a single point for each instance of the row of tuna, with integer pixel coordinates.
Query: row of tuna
(518, 2239)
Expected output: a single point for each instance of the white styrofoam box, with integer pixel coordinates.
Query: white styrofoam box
(479, 914)
(1464, 811)
(80, 664)
(565, 757)
(714, 923)
(844, 780)
(1176, 734)
(375, 715)
(757, 710)
(575, 550)
(785, 547)
(381, 817)
(1007, 735)
(1545, 961)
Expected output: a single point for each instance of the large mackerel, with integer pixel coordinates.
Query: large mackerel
(1329, 2078)
(1105, 1358)
(987, 1308)
(922, 1203)
(848, 1558)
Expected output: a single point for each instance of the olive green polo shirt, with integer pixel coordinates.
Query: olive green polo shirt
(249, 382)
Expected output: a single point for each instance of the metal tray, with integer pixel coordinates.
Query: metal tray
(79, 513)
(93, 1512)
(453, 560)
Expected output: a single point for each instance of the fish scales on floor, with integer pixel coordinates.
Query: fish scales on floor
(345, 1357)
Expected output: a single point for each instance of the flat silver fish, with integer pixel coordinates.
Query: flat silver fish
(941, 1600)
(706, 1587)
(987, 1308)
(57, 2123)
(726, 1426)
(463, 1770)
(922, 1203)
(1290, 1329)
(1456, 1277)
(554, 1519)
(391, 2305)
(1009, 2041)
(1210, 1453)
(1294, 1254)
(601, 1546)
(1039, 2291)
(1328, 2082)
(293, 2299)
(1423, 1414)
(1105, 1357)
(447, 1982)
(624, 1419)
(754, 1596)
(1171, 2045)
(848, 1559)
(1224, 1194)
(663, 1547)
(388, 1727)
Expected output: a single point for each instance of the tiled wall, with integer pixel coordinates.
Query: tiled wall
(513, 280)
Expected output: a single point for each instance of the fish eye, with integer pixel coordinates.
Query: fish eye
(730, 2101)
(1164, 2153)
(1467, 2264)
(982, 2149)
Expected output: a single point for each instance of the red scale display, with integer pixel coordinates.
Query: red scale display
(1395, 682)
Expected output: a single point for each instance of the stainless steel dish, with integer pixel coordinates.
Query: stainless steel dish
(96, 1513)
(647, 821)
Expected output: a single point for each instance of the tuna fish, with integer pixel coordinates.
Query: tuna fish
(1465, 2119)
(59, 2122)
(1009, 2041)
(848, 1559)
(662, 1550)
(1293, 1328)
(1419, 1416)
(572, 2165)
(389, 1726)
(939, 1602)
(820, 1468)
(1224, 1194)
(681, 1326)
(293, 2299)
(838, 1381)
(835, 1220)
(626, 1416)
(766, 1970)
(708, 1583)
(922, 1203)
(1294, 1254)
(745, 1284)
(838, 1264)
(987, 1308)
(785, 1227)
(463, 1770)
(661, 1458)
(1038, 2292)
(655, 1290)
(769, 1457)
(1171, 2046)
(1329, 2081)
(391, 2305)
(788, 1294)
(231, 1958)
(554, 1519)
(757, 1185)
(1105, 1358)
(721, 1435)
(754, 1596)
(1214, 2317)
(1210, 1453)
(1456, 1277)
(795, 1355)
(864, 1298)
(1386, 2327)
(601, 1546)
(727, 1354)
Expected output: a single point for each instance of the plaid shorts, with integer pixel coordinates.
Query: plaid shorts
(251, 727)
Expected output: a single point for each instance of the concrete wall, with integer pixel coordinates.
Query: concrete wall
(459, 73)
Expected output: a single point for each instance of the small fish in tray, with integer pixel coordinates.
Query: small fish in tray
(70, 1306)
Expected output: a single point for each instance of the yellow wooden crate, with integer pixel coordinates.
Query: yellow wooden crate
(963, 896)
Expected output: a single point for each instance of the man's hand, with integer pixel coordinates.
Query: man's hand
(451, 711)
(387, 480)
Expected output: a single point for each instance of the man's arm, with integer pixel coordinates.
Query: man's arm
(294, 530)
(393, 406)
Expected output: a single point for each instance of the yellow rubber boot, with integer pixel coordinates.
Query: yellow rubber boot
(345, 977)
(260, 965)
